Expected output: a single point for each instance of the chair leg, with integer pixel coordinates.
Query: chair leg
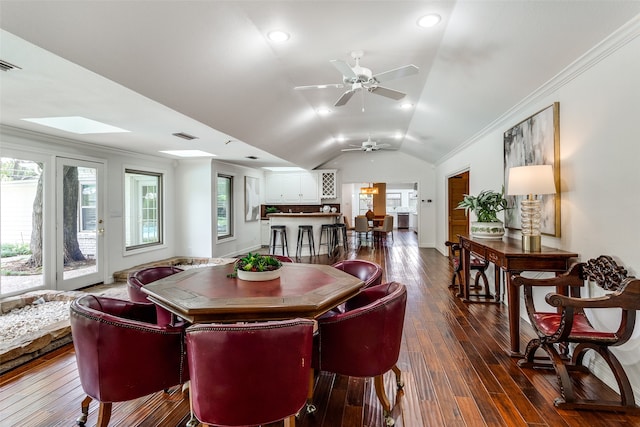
(104, 414)
(384, 400)
(84, 408)
(627, 400)
(310, 407)
(290, 421)
(398, 372)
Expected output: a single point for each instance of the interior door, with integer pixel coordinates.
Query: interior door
(79, 223)
(458, 186)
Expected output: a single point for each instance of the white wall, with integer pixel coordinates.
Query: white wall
(599, 99)
(197, 219)
(393, 166)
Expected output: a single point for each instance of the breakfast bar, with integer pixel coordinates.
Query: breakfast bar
(292, 220)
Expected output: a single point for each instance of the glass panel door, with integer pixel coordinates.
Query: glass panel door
(80, 224)
(22, 225)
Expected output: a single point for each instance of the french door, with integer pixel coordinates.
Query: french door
(79, 223)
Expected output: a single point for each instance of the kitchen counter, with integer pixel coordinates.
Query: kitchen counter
(292, 220)
(304, 214)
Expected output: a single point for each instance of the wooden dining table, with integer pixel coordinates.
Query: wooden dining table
(208, 294)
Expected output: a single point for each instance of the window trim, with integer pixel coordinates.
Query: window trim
(161, 243)
(231, 213)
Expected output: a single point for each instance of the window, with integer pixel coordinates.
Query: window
(143, 209)
(394, 200)
(225, 205)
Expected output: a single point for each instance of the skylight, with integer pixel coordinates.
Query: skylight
(188, 153)
(76, 124)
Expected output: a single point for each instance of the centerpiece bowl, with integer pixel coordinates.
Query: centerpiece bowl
(258, 268)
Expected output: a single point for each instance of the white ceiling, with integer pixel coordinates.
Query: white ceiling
(205, 68)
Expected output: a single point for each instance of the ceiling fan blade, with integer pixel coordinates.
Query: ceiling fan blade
(396, 73)
(386, 92)
(344, 68)
(331, 85)
(344, 98)
(351, 149)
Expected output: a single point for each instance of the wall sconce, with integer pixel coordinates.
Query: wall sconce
(531, 181)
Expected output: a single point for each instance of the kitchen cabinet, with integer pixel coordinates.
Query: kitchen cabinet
(292, 188)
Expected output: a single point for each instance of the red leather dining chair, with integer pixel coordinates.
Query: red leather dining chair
(109, 335)
(247, 374)
(137, 279)
(369, 272)
(476, 264)
(364, 341)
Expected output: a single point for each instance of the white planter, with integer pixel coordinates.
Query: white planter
(487, 230)
(258, 276)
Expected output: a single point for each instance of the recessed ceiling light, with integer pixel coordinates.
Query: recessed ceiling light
(188, 153)
(323, 111)
(76, 124)
(341, 138)
(398, 136)
(428, 21)
(406, 106)
(278, 36)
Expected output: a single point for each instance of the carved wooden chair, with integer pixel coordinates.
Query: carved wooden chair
(569, 324)
(478, 265)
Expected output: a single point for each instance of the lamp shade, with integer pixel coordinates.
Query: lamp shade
(533, 179)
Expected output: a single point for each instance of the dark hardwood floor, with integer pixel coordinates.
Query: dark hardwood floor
(454, 362)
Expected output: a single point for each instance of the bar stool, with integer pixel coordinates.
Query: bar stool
(281, 232)
(341, 233)
(329, 232)
(308, 231)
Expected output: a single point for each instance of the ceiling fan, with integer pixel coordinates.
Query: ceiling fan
(360, 78)
(367, 146)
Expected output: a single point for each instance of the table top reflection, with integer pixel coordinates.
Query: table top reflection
(207, 294)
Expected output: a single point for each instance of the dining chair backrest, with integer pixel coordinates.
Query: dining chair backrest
(362, 224)
(247, 374)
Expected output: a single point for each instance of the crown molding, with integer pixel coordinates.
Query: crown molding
(618, 39)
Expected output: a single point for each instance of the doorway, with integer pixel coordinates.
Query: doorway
(79, 223)
(458, 186)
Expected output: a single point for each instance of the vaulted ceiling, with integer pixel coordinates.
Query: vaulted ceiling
(206, 68)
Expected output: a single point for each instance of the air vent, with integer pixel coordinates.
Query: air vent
(252, 157)
(184, 136)
(6, 66)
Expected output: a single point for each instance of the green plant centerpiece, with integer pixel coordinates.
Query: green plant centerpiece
(485, 206)
(256, 267)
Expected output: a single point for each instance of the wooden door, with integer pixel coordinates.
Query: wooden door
(458, 186)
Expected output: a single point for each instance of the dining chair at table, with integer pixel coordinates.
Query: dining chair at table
(362, 227)
(122, 353)
(139, 278)
(364, 341)
(248, 374)
(367, 271)
(384, 229)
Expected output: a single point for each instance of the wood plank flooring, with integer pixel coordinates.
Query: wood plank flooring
(454, 361)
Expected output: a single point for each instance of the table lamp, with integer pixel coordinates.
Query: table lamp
(531, 181)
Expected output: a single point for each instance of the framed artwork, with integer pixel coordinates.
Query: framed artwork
(535, 141)
(251, 199)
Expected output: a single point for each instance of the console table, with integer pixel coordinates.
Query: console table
(507, 254)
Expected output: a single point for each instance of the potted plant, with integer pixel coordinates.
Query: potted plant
(485, 206)
(256, 267)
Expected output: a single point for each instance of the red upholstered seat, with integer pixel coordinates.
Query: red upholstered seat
(581, 329)
(109, 336)
(569, 325)
(137, 279)
(251, 373)
(369, 272)
(364, 341)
